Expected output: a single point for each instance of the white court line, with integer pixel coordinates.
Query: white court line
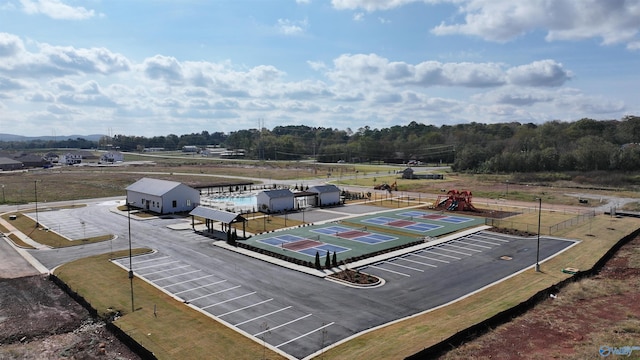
(172, 276)
(244, 308)
(153, 259)
(432, 252)
(156, 265)
(190, 280)
(226, 301)
(281, 325)
(462, 247)
(214, 293)
(403, 266)
(430, 258)
(163, 270)
(482, 241)
(391, 271)
(265, 315)
(453, 251)
(303, 335)
(200, 287)
(417, 262)
(470, 244)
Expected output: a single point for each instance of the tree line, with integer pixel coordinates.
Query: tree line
(583, 145)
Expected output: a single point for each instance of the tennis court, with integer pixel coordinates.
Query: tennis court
(427, 223)
(361, 235)
(302, 245)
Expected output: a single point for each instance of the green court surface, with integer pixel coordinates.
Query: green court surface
(362, 235)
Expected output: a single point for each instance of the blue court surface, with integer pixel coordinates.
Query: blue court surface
(302, 245)
(432, 216)
(402, 223)
(360, 235)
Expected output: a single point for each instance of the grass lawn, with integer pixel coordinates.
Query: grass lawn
(175, 332)
(413, 335)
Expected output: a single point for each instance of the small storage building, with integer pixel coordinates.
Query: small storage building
(162, 196)
(328, 195)
(273, 201)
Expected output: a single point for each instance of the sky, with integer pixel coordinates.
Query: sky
(153, 68)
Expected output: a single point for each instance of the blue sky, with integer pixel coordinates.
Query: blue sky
(174, 67)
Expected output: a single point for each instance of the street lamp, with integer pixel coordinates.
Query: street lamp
(35, 188)
(507, 194)
(3, 198)
(130, 265)
(538, 248)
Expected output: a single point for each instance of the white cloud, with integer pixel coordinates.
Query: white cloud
(371, 5)
(56, 9)
(358, 16)
(539, 73)
(504, 20)
(292, 27)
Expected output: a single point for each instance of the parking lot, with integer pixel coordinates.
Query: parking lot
(291, 311)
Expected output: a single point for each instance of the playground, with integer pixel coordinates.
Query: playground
(358, 236)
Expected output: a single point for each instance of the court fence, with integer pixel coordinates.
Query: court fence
(544, 230)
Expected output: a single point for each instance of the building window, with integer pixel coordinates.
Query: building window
(188, 202)
(175, 203)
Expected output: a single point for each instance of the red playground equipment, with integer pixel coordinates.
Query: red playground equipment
(455, 201)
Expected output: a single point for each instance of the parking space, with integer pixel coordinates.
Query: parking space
(269, 319)
(483, 243)
(66, 223)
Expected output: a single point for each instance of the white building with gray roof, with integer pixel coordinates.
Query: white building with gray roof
(162, 196)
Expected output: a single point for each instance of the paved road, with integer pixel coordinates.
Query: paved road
(294, 312)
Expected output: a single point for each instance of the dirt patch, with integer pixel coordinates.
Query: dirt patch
(40, 321)
(602, 312)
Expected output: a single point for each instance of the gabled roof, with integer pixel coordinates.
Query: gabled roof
(273, 194)
(154, 187)
(217, 215)
(323, 189)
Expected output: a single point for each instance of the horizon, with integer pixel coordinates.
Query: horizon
(223, 66)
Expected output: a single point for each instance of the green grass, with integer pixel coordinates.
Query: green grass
(18, 242)
(176, 331)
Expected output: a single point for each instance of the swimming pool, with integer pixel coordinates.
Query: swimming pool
(231, 202)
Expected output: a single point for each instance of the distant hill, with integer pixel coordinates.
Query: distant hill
(11, 137)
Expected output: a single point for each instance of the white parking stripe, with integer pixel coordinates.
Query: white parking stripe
(200, 287)
(215, 293)
(418, 262)
(432, 252)
(430, 258)
(163, 270)
(404, 266)
(491, 238)
(391, 271)
(303, 335)
(226, 301)
(265, 315)
(172, 276)
(453, 251)
(473, 238)
(246, 307)
(156, 265)
(462, 247)
(152, 259)
(281, 325)
(471, 244)
(190, 280)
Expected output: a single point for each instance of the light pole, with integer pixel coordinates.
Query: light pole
(507, 194)
(35, 188)
(130, 265)
(538, 247)
(3, 198)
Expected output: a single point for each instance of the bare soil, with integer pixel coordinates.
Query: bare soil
(575, 323)
(40, 321)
